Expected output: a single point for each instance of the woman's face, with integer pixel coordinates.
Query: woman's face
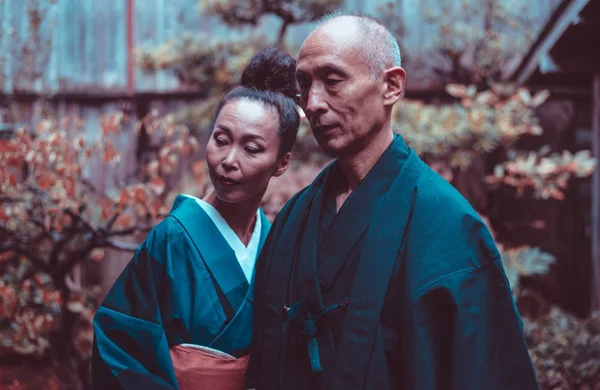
(243, 150)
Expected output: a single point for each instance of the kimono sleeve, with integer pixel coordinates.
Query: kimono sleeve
(130, 348)
(464, 333)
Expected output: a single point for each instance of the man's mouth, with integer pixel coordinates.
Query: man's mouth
(321, 129)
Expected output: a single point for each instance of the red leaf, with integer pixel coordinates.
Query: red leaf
(140, 195)
(557, 194)
(44, 181)
(124, 221)
(110, 153)
(107, 207)
(157, 185)
(69, 185)
(125, 197)
(97, 254)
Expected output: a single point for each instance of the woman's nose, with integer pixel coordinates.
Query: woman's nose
(230, 162)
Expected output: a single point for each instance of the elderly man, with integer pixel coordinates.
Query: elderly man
(379, 275)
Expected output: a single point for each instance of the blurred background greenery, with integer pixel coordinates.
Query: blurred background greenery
(105, 109)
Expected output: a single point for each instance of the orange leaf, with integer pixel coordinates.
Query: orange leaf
(157, 185)
(152, 168)
(69, 185)
(140, 195)
(124, 221)
(111, 154)
(44, 181)
(125, 197)
(97, 254)
(141, 209)
(106, 206)
(557, 194)
(12, 180)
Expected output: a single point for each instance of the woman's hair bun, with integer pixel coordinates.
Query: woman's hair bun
(271, 69)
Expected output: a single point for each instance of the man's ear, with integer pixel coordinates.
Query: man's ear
(284, 163)
(395, 79)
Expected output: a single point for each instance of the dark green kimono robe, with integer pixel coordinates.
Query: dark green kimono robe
(403, 288)
(183, 285)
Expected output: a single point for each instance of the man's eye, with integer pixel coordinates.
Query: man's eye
(332, 81)
(220, 141)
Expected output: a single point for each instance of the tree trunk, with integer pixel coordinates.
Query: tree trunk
(282, 32)
(69, 365)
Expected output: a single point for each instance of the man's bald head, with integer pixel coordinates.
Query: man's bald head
(374, 40)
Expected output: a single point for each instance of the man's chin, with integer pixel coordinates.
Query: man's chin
(334, 149)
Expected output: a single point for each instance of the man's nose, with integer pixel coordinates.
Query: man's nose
(315, 101)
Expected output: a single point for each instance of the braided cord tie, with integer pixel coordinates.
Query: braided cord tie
(303, 326)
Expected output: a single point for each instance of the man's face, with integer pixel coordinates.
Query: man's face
(341, 100)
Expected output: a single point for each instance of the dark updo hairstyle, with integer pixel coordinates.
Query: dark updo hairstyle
(270, 78)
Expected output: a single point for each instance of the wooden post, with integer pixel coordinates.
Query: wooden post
(596, 192)
(130, 29)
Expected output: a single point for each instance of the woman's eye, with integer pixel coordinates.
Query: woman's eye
(252, 150)
(220, 141)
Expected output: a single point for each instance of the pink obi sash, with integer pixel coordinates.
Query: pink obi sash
(202, 368)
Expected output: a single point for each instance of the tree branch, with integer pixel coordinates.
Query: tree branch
(122, 246)
(129, 231)
(77, 257)
(15, 247)
(76, 218)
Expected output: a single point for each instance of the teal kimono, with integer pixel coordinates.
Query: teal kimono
(403, 288)
(183, 285)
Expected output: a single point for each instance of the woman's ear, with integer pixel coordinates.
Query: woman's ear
(395, 79)
(284, 163)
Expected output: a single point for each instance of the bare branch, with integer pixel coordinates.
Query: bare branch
(129, 231)
(58, 246)
(71, 284)
(76, 218)
(76, 257)
(123, 246)
(16, 247)
(112, 221)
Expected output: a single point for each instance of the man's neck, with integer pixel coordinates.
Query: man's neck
(355, 167)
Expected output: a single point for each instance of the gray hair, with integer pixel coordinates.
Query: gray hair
(379, 45)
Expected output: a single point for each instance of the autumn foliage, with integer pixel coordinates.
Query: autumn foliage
(53, 217)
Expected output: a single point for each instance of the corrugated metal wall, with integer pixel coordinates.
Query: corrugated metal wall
(89, 51)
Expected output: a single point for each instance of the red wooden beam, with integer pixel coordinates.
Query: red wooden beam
(130, 47)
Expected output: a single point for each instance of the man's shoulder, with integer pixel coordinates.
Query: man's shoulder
(438, 200)
(446, 234)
